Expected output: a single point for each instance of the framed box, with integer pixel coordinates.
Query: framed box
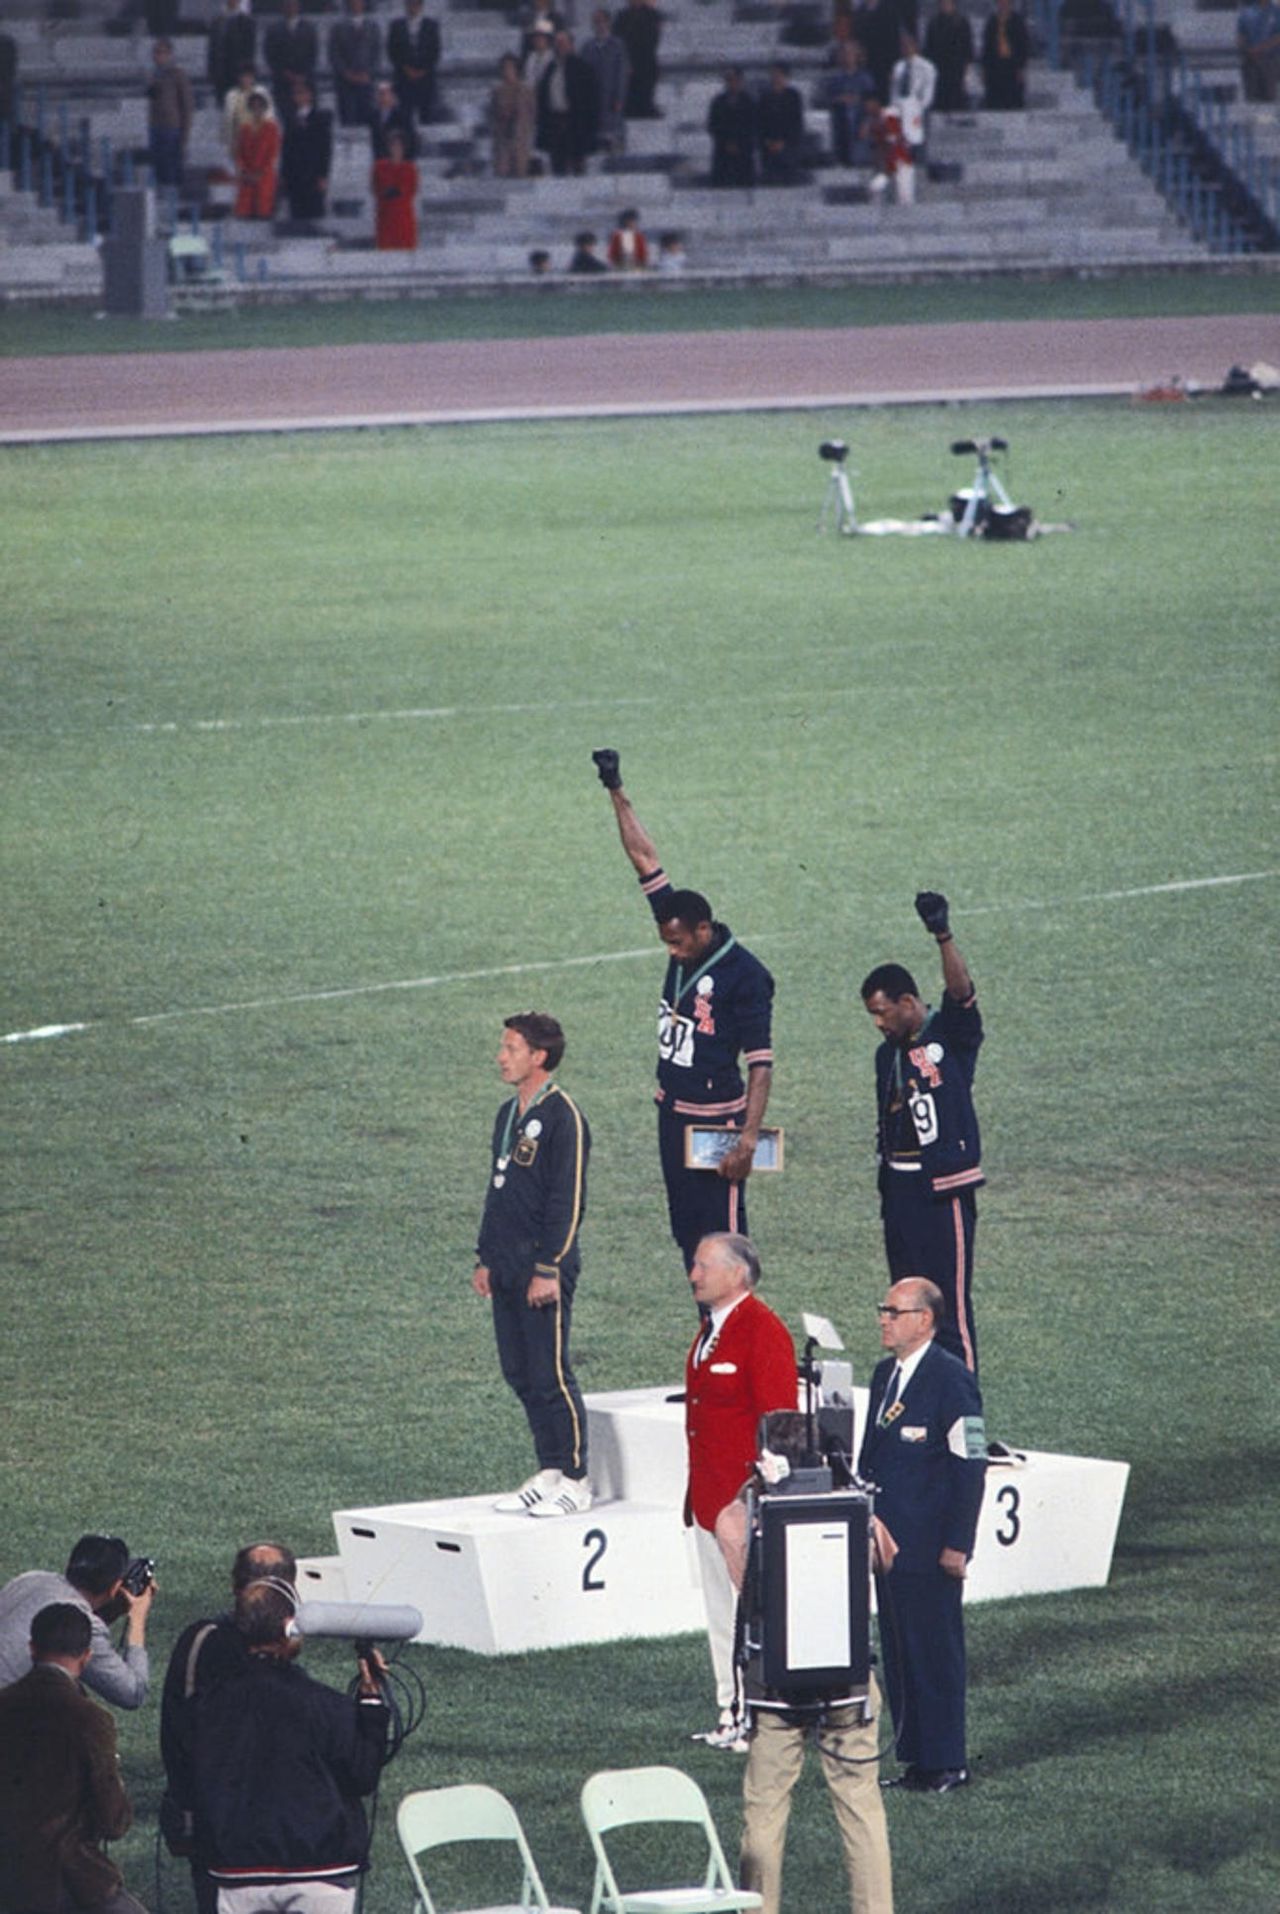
(706, 1143)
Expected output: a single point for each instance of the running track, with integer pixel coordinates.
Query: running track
(182, 393)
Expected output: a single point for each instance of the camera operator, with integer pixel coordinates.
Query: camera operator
(847, 1744)
(206, 1652)
(280, 1765)
(94, 1581)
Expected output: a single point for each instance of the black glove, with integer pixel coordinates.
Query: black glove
(606, 763)
(931, 908)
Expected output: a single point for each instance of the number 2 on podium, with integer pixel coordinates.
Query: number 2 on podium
(597, 1541)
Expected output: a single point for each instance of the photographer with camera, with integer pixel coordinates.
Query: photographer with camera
(281, 1763)
(206, 1652)
(106, 1583)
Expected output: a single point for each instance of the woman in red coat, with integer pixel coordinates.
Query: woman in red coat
(257, 161)
(395, 191)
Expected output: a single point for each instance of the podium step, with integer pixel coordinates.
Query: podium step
(502, 1584)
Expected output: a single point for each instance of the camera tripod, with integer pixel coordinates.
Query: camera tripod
(986, 488)
(837, 502)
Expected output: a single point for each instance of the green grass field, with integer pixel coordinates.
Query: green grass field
(299, 805)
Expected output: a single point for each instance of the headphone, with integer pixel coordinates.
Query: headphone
(291, 1630)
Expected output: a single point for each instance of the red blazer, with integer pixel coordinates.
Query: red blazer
(749, 1370)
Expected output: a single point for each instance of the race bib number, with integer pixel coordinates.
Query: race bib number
(675, 1037)
(924, 1114)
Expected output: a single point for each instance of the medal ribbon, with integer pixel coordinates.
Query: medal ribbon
(513, 1113)
(682, 987)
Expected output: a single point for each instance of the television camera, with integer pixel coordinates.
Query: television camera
(804, 1619)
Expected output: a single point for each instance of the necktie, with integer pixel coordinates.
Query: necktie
(891, 1393)
(703, 1340)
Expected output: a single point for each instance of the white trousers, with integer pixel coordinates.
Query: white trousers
(720, 1599)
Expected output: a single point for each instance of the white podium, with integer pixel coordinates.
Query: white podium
(501, 1584)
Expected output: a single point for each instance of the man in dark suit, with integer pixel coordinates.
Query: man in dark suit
(61, 1794)
(413, 48)
(233, 37)
(307, 156)
(390, 117)
(925, 1449)
(731, 122)
(291, 51)
(568, 108)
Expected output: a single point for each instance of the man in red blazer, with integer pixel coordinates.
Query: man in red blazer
(742, 1366)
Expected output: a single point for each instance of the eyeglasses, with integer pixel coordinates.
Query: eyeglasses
(887, 1309)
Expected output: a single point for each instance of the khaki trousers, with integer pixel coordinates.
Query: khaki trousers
(773, 1768)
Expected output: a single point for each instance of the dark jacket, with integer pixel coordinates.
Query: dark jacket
(924, 1102)
(308, 156)
(60, 1795)
(280, 1765)
(537, 1193)
(205, 1653)
(929, 1464)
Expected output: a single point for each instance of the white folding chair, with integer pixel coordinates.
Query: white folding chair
(627, 1797)
(437, 1817)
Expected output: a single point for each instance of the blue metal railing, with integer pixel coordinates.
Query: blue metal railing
(1179, 129)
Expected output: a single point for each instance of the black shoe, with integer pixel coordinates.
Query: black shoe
(910, 1778)
(941, 1780)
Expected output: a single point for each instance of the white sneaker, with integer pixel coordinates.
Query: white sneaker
(530, 1493)
(572, 1498)
(729, 1736)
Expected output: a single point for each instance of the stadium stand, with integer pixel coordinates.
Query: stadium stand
(1126, 155)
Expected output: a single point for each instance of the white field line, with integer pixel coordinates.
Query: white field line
(410, 712)
(339, 992)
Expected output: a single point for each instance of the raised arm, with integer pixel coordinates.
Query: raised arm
(636, 841)
(934, 913)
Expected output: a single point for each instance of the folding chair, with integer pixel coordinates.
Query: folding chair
(625, 1797)
(437, 1817)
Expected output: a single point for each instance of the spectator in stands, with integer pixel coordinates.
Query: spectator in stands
(639, 27)
(608, 59)
(1258, 40)
(233, 39)
(8, 77)
(895, 168)
(876, 26)
(395, 193)
(585, 257)
(845, 93)
(628, 247)
(413, 48)
(258, 160)
(1005, 50)
(538, 55)
(390, 119)
(291, 53)
(355, 48)
(731, 122)
(171, 105)
(671, 254)
(948, 42)
(539, 261)
(911, 90)
(568, 108)
(842, 34)
(512, 112)
(235, 108)
(780, 128)
(308, 155)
